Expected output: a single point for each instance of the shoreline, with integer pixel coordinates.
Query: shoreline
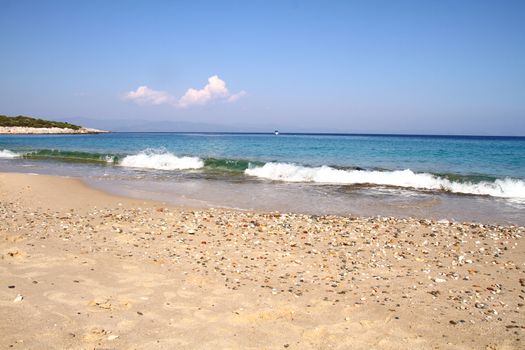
(97, 270)
(202, 192)
(141, 198)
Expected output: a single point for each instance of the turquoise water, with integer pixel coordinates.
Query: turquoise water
(338, 167)
(484, 156)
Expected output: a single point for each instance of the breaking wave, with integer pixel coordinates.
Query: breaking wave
(8, 154)
(161, 161)
(508, 187)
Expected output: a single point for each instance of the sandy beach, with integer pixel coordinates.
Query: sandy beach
(81, 269)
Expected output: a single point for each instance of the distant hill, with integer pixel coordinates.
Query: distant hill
(141, 125)
(29, 122)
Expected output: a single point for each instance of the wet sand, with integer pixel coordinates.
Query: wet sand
(81, 269)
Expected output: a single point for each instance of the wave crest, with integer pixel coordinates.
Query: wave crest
(508, 188)
(161, 161)
(8, 154)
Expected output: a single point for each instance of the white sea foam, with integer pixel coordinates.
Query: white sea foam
(8, 154)
(109, 159)
(509, 188)
(161, 161)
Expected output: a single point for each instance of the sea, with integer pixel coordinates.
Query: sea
(457, 178)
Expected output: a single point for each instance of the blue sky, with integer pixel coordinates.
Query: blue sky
(447, 67)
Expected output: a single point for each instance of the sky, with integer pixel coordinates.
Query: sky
(422, 66)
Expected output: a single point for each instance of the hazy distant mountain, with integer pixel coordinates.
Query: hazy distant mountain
(144, 126)
(166, 126)
(121, 125)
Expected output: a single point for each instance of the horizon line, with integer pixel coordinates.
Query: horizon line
(291, 133)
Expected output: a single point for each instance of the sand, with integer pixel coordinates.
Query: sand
(81, 269)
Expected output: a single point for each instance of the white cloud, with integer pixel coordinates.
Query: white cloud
(236, 96)
(146, 96)
(215, 90)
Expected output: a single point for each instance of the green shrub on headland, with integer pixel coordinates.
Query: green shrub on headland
(34, 123)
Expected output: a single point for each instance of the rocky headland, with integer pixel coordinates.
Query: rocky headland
(53, 130)
(29, 125)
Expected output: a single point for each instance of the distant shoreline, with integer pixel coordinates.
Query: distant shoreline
(22, 130)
